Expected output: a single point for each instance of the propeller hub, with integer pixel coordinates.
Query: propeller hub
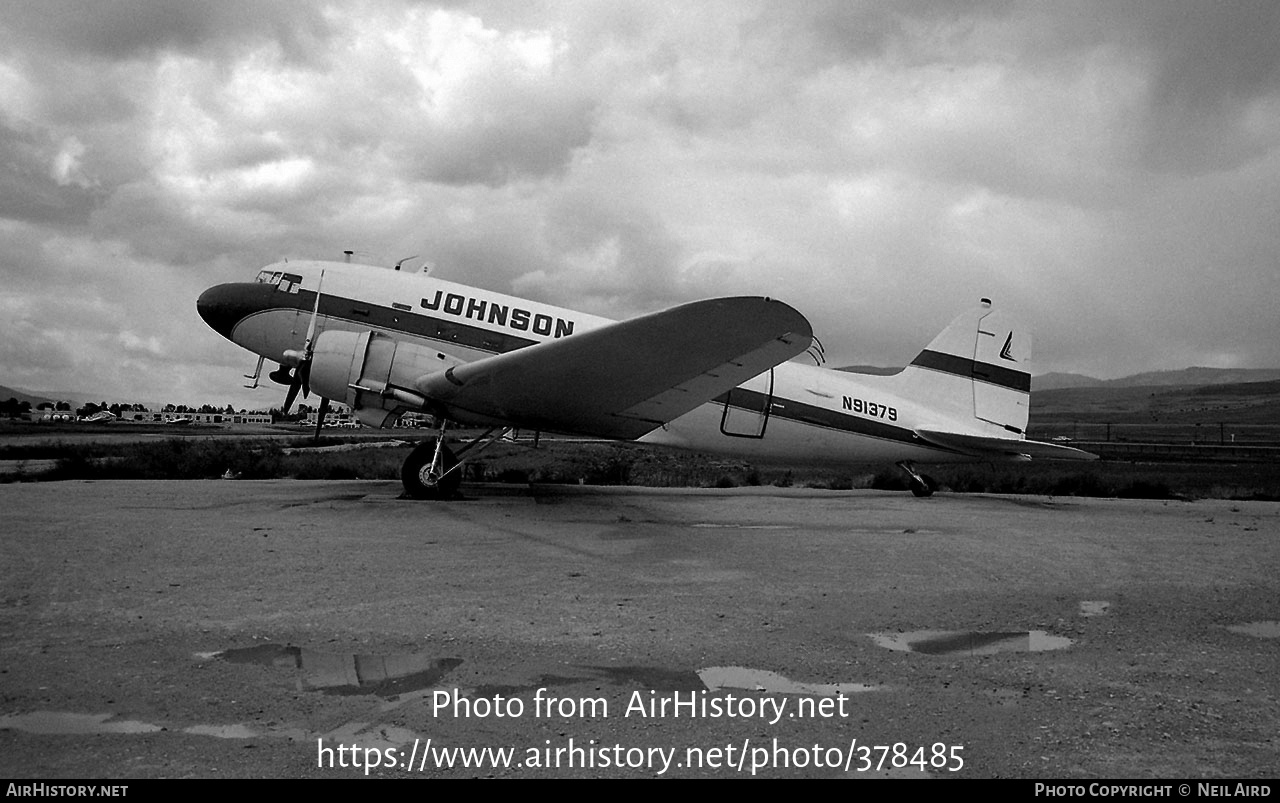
(294, 358)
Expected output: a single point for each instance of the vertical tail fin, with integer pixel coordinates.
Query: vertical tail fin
(978, 369)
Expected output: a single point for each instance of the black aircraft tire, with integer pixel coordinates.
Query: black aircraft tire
(413, 473)
(922, 489)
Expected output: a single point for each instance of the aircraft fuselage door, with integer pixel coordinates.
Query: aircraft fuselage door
(746, 407)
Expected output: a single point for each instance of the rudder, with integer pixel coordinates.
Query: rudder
(979, 367)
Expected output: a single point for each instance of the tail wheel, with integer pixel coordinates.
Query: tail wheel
(924, 486)
(421, 482)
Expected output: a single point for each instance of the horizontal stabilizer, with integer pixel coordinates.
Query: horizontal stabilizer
(625, 379)
(1002, 448)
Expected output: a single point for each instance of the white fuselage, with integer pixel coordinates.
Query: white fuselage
(794, 412)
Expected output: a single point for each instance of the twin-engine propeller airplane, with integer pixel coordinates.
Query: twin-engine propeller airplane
(710, 376)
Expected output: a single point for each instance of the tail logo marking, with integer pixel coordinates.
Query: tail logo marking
(1004, 352)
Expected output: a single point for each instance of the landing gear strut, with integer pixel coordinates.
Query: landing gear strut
(921, 484)
(429, 471)
(433, 471)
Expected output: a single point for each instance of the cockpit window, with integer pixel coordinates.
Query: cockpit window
(288, 282)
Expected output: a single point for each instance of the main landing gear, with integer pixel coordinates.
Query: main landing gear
(430, 471)
(433, 471)
(921, 484)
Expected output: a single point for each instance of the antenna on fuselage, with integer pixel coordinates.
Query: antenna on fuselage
(347, 256)
(406, 259)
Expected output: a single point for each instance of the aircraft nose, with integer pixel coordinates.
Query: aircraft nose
(225, 305)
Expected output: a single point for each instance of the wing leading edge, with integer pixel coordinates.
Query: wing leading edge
(625, 379)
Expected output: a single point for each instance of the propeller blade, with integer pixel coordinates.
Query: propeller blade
(311, 327)
(304, 367)
(304, 377)
(324, 410)
(291, 395)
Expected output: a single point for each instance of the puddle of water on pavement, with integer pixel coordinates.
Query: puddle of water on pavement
(67, 723)
(382, 675)
(64, 723)
(1264, 629)
(222, 731)
(955, 642)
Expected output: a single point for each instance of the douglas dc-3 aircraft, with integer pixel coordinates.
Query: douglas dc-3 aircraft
(710, 376)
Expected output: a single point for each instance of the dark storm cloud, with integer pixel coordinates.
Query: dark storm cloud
(1212, 62)
(135, 29)
(826, 32)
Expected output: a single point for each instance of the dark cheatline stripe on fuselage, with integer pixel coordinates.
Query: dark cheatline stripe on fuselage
(972, 369)
(802, 413)
(411, 323)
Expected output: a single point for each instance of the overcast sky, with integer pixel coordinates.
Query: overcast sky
(1109, 170)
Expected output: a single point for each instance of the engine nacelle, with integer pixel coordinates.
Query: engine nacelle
(372, 373)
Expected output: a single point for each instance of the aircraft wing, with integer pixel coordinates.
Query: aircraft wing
(1002, 448)
(625, 379)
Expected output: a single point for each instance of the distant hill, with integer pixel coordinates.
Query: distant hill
(1187, 377)
(1058, 381)
(1255, 405)
(35, 399)
(73, 397)
(1197, 376)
